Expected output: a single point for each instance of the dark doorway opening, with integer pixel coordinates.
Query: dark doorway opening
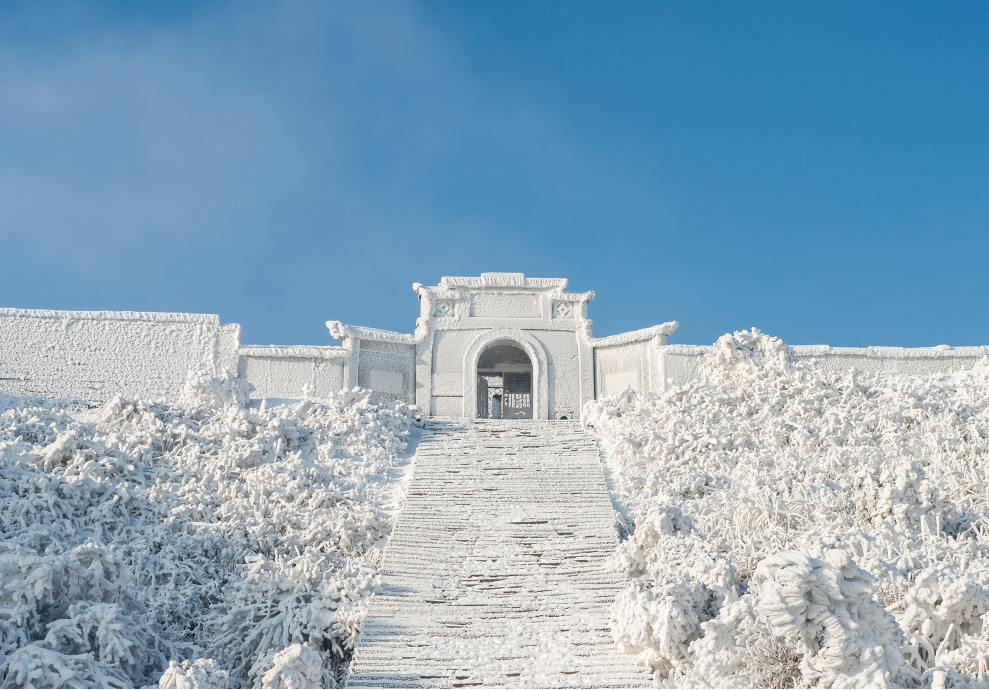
(504, 382)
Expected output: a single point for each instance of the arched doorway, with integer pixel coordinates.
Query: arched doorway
(504, 382)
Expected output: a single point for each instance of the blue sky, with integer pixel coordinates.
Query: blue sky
(820, 171)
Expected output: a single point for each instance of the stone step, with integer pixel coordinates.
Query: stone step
(495, 573)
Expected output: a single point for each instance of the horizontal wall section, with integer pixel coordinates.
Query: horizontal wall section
(293, 372)
(617, 367)
(98, 355)
(892, 360)
(680, 364)
(387, 370)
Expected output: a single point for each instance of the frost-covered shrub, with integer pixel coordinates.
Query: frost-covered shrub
(202, 389)
(189, 675)
(296, 666)
(765, 455)
(660, 620)
(901, 494)
(944, 603)
(827, 603)
(737, 649)
(135, 534)
(665, 545)
(314, 599)
(680, 582)
(37, 666)
(75, 606)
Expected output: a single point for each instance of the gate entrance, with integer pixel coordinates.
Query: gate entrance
(504, 382)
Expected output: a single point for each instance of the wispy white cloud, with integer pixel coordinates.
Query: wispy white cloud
(243, 140)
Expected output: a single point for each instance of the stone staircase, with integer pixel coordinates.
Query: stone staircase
(494, 574)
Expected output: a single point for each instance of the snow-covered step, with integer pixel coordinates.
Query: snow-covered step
(495, 572)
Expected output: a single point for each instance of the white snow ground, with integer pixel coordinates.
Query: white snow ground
(495, 572)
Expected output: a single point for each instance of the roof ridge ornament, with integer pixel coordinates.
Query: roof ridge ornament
(503, 280)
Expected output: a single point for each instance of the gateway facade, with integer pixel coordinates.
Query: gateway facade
(499, 346)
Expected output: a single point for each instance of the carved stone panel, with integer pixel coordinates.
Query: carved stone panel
(562, 310)
(444, 307)
(505, 305)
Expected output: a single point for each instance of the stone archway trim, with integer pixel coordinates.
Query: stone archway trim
(540, 369)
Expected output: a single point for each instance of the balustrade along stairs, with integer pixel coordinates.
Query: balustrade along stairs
(495, 571)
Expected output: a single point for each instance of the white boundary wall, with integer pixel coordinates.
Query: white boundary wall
(95, 355)
(680, 364)
(628, 359)
(292, 372)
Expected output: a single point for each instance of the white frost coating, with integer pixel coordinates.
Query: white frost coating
(152, 316)
(138, 534)
(293, 372)
(662, 330)
(97, 355)
(462, 311)
(679, 581)
(681, 363)
(825, 600)
(295, 351)
(36, 666)
(296, 666)
(201, 674)
(844, 517)
(340, 330)
(439, 368)
(502, 280)
(659, 620)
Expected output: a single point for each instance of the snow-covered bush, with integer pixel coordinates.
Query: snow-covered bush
(660, 620)
(680, 581)
(201, 673)
(296, 666)
(314, 598)
(137, 537)
(803, 528)
(827, 602)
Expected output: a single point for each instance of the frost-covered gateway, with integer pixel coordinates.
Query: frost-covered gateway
(498, 345)
(502, 346)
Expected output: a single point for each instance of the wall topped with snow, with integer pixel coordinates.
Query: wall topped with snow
(628, 360)
(97, 355)
(292, 372)
(893, 360)
(680, 364)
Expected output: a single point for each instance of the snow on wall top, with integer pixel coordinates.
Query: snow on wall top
(680, 363)
(154, 316)
(293, 351)
(462, 316)
(342, 330)
(938, 351)
(663, 329)
(487, 280)
(501, 298)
